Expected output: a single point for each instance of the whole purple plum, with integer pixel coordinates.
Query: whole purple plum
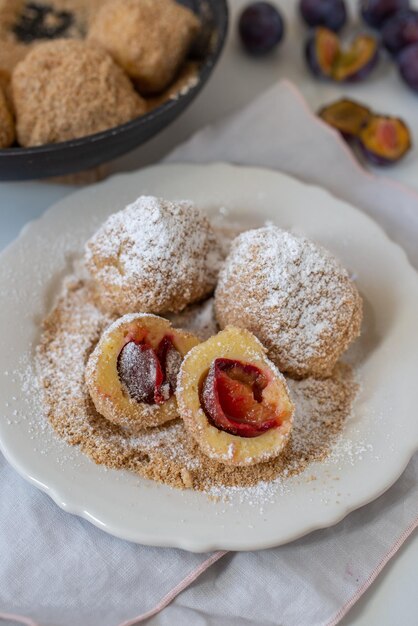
(261, 28)
(408, 65)
(375, 12)
(329, 13)
(400, 31)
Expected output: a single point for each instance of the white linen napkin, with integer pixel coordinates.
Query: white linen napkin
(60, 570)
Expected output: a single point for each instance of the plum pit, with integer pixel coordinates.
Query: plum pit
(149, 375)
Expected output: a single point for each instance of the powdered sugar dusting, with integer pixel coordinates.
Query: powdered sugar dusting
(172, 368)
(155, 255)
(198, 319)
(166, 453)
(293, 295)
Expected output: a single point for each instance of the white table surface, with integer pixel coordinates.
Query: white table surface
(392, 599)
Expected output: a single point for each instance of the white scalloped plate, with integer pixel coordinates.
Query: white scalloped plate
(377, 441)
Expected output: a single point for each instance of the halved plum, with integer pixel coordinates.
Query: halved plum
(326, 57)
(232, 398)
(385, 140)
(358, 60)
(347, 116)
(322, 51)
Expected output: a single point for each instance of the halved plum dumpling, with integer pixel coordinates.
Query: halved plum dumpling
(132, 373)
(234, 402)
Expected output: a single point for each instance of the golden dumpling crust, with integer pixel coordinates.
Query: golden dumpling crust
(149, 39)
(22, 24)
(11, 53)
(109, 394)
(155, 256)
(186, 79)
(219, 445)
(7, 126)
(65, 89)
(294, 296)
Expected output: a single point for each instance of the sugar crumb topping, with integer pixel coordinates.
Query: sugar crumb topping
(154, 255)
(294, 295)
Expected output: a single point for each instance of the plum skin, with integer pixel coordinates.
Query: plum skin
(312, 59)
(261, 28)
(329, 13)
(407, 61)
(373, 158)
(400, 31)
(375, 12)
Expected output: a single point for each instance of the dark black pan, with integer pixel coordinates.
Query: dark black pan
(88, 152)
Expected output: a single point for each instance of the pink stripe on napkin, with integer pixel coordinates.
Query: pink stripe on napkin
(20, 619)
(169, 597)
(374, 574)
